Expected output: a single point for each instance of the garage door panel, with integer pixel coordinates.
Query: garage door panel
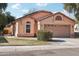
(58, 30)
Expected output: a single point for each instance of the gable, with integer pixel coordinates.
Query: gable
(64, 16)
(26, 19)
(49, 20)
(36, 15)
(41, 14)
(65, 19)
(52, 20)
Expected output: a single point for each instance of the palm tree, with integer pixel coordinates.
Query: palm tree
(72, 8)
(3, 6)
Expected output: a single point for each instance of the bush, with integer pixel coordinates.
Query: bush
(5, 32)
(44, 35)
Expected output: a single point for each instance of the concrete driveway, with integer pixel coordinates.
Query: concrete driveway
(65, 41)
(54, 45)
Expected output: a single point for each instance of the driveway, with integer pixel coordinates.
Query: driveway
(58, 46)
(64, 41)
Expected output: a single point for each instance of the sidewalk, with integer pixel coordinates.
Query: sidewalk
(30, 48)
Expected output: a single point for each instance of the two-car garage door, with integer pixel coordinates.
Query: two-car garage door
(58, 30)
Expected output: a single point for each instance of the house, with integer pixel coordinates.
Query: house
(58, 24)
(76, 28)
(9, 29)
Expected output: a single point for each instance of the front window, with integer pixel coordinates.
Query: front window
(28, 27)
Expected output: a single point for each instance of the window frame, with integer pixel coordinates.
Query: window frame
(56, 18)
(28, 27)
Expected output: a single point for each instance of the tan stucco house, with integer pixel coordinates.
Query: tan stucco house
(57, 23)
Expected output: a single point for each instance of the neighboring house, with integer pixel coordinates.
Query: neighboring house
(76, 28)
(9, 29)
(59, 24)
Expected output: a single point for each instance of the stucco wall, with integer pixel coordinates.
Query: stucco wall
(64, 21)
(22, 27)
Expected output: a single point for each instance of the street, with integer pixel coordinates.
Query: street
(50, 52)
(57, 47)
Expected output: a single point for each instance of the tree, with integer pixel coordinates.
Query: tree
(5, 17)
(2, 21)
(9, 17)
(3, 7)
(72, 8)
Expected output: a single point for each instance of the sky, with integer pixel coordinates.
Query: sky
(19, 9)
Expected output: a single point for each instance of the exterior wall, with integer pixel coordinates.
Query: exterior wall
(64, 21)
(36, 28)
(34, 24)
(51, 20)
(22, 27)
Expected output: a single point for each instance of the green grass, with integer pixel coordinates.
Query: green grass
(20, 42)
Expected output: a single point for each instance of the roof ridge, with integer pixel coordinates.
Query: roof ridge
(34, 13)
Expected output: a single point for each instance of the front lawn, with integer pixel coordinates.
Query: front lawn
(20, 42)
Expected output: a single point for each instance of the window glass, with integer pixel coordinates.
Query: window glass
(58, 18)
(28, 27)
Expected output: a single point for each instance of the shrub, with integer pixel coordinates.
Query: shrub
(44, 35)
(5, 32)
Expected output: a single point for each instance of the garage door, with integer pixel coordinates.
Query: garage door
(58, 30)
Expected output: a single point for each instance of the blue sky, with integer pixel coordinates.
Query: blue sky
(19, 9)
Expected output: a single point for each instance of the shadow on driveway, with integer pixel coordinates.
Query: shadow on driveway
(57, 41)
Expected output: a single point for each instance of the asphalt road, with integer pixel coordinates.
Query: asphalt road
(50, 52)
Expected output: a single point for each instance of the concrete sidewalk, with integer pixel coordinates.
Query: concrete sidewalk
(30, 48)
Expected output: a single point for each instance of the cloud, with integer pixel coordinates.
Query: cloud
(25, 11)
(68, 14)
(41, 4)
(65, 12)
(16, 6)
(19, 8)
(54, 11)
